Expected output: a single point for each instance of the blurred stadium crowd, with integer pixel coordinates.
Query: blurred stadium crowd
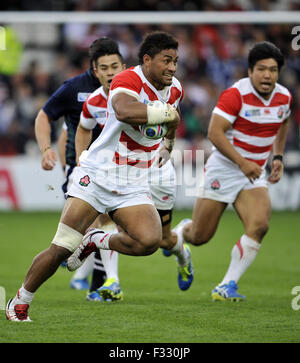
(39, 57)
(146, 5)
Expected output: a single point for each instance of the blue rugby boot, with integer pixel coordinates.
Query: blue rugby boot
(186, 273)
(166, 253)
(94, 296)
(79, 284)
(227, 292)
(111, 290)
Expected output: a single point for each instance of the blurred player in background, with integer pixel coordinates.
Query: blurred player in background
(113, 173)
(67, 101)
(249, 121)
(109, 62)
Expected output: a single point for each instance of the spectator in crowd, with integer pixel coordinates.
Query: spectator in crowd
(211, 58)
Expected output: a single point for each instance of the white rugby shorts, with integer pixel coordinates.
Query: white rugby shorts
(223, 180)
(84, 187)
(163, 197)
(163, 186)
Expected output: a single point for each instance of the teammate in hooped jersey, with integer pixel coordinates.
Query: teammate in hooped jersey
(248, 123)
(100, 183)
(105, 67)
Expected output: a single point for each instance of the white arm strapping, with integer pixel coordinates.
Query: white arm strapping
(159, 112)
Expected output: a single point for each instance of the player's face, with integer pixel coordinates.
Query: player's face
(264, 75)
(162, 67)
(106, 68)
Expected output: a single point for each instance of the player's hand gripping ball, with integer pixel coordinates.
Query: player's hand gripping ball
(154, 131)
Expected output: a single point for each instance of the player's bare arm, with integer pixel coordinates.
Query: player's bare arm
(278, 149)
(62, 147)
(83, 139)
(43, 136)
(128, 109)
(216, 134)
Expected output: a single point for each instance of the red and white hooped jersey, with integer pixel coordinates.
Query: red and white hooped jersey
(255, 121)
(94, 109)
(121, 154)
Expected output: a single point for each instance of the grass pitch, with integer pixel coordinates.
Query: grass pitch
(154, 310)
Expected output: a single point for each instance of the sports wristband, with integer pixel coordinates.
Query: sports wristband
(277, 157)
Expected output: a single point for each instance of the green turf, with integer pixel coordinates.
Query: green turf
(154, 309)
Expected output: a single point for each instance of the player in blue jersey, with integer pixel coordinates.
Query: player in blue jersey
(67, 102)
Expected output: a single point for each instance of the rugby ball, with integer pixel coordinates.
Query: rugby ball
(154, 131)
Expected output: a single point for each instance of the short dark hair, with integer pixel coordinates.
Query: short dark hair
(103, 46)
(265, 50)
(155, 42)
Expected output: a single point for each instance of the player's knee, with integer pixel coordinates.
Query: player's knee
(67, 237)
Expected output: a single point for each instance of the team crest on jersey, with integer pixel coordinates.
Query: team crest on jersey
(85, 181)
(280, 112)
(215, 185)
(100, 114)
(251, 113)
(82, 96)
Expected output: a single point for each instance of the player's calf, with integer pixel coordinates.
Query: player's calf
(142, 230)
(148, 245)
(199, 238)
(135, 246)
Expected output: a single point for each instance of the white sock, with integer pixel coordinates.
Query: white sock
(85, 269)
(110, 261)
(178, 250)
(242, 255)
(101, 241)
(110, 258)
(23, 297)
